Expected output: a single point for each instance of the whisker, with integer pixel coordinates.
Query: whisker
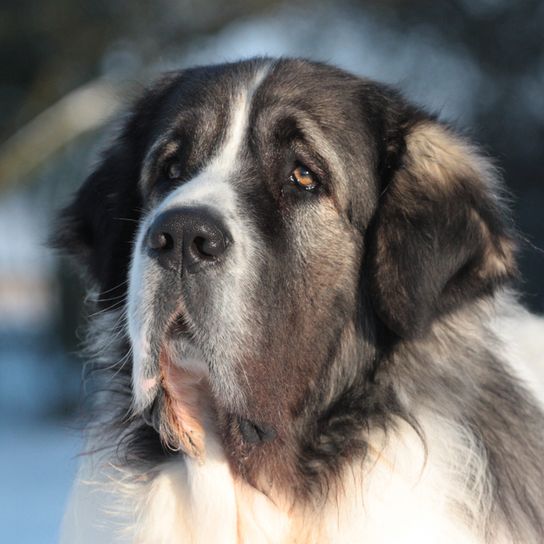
(126, 219)
(109, 308)
(100, 299)
(124, 282)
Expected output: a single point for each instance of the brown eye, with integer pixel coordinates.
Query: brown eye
(303, 178)
(173, 171)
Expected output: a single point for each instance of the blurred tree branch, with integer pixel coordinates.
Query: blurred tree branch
(77, 113)
(63, 46)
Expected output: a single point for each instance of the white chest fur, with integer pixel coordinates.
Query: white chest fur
(395, 496)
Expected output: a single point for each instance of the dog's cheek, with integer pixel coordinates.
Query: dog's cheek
(306, 302)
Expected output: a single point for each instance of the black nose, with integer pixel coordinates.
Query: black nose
(188, 238)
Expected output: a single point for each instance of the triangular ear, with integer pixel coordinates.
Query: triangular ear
(439, 237)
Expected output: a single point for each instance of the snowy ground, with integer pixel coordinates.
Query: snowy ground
(37, 464)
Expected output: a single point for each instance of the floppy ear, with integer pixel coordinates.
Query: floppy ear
(98, 226)
(439, 236)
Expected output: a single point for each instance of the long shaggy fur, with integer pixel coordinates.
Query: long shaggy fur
(354, 368)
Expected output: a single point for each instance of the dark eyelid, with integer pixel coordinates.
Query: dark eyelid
(168, 157)
(164, 161)
(302, 153)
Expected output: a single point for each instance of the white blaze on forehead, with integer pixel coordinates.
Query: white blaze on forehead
(212, 187)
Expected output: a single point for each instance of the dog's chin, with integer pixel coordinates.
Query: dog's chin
(179, 328)
(177, 400)
(180, 346)
(182, 409)
(191, 396)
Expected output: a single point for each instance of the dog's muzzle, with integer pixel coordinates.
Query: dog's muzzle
(187, 239)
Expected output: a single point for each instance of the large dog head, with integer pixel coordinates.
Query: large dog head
(271, 218)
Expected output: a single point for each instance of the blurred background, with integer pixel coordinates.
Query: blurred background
(68, 69)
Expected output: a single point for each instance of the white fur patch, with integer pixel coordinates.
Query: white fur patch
(397, 495)
(410, 497)
(522, 337)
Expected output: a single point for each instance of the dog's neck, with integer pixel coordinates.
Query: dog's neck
(323, 454)
(294, 458)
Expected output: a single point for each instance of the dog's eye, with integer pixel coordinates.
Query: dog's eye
(173, 171)
(303, 178)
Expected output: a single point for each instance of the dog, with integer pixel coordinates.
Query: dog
(306, 326)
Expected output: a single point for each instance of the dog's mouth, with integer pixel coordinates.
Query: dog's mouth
(179, 327)
(182, 410)
(182, 407)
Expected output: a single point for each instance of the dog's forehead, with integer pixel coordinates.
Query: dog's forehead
(237, 116)
(298, 82)
(202, 103)
(205, 115)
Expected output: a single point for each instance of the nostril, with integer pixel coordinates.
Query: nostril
(167, 241)
(205, 248)
(160, 241)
